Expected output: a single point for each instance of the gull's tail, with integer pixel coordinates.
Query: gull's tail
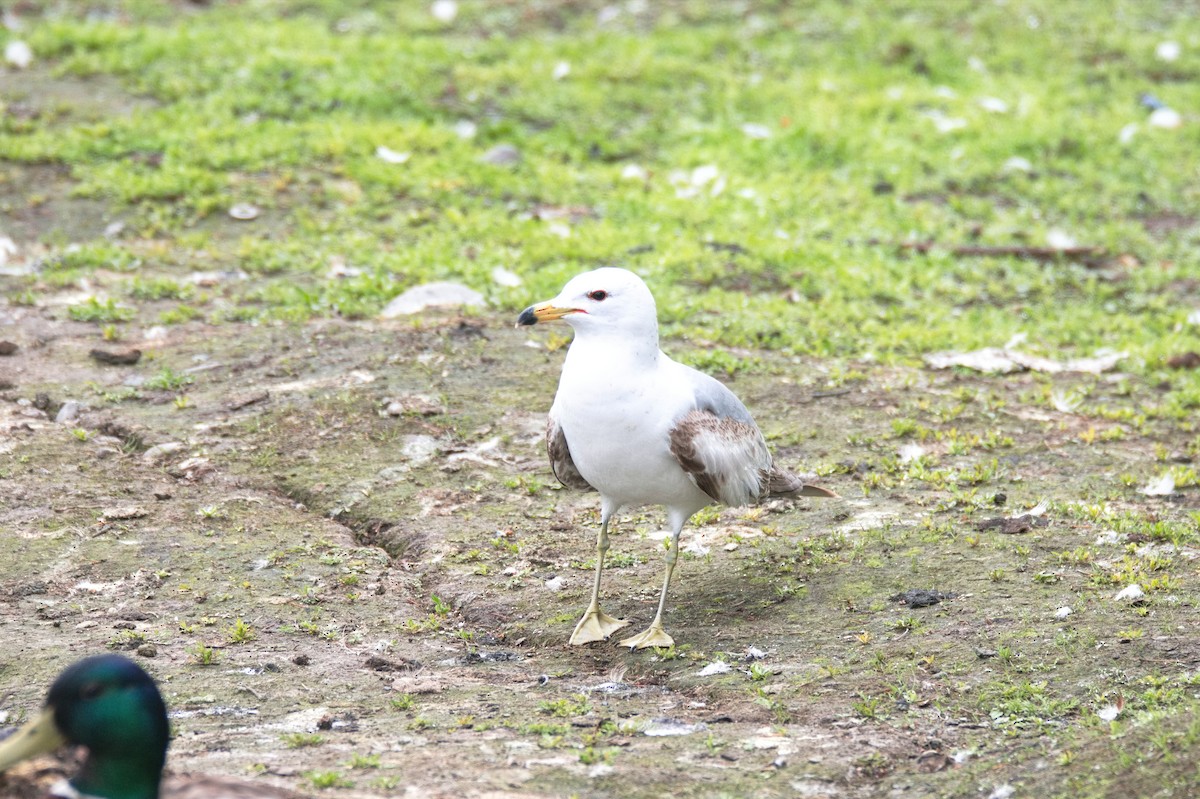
(782, 483)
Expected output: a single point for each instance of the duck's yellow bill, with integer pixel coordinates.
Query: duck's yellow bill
(38, 736)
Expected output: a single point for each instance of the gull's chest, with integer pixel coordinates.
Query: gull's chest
(619, 403)
(617, 425)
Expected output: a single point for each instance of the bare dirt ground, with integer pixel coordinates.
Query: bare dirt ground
(355, 603)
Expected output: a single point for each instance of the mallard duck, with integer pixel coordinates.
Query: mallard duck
(111, 706)
(642, 429)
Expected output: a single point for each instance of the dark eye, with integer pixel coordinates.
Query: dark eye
(91, 690)
(598, 295)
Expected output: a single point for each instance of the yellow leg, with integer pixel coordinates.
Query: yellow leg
(596, 625)
(655, 635)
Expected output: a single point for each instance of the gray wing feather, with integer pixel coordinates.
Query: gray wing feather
(713, 396)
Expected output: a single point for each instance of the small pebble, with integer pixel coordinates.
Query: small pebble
(502, 155)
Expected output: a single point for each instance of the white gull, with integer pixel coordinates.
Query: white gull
(643, 429)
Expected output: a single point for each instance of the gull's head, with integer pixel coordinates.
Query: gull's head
(609, 300)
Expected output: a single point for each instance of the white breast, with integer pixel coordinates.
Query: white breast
(617, 416)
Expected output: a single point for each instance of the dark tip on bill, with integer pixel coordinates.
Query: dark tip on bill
(527, 317)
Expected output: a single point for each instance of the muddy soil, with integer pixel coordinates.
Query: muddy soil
(344, 557)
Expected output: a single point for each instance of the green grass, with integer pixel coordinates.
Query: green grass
(244, 103)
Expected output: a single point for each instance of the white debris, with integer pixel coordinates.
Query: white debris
(18, 54)
(1038, 509)
(8, 248)
(561, 70)
(1108, 713)
(1167, 118)
(161, 452)
(1161, 486)
(244, 212)
(1003, 360)
(390, 156)
(444, 11)
(1060, 239)
(716, 667)
(1063, 612)
(214, 278)
(502, 155)
(1127, 133)
(945, 124)
(1017, 164)
(633, 172)
(556, 583)
(1131, 593)
(755, 131)
(1004, 791)
(560, 229)
(1168, 51)
(1192, 319)
(989, 359)
(910, 452)
(338, 268)
(704, 174)
(505, 278)
(753, 653)
(993, 104)
(1065, 402)
(465, 129)
(669, 727)
(418, 449)
(440, 294)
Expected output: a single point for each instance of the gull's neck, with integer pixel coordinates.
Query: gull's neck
(625, 348)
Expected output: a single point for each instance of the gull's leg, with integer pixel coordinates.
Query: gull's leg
(596, 625)
(655, 635)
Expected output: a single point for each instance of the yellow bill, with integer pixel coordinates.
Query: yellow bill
(545, 312)
(37, 737)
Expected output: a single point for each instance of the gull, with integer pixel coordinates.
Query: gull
(642, 429)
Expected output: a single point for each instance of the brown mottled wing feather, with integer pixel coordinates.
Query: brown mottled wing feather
(34, 779)
(560, 458)
(726, 458)
(781, 482)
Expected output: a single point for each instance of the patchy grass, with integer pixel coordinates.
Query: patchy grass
(834, 135)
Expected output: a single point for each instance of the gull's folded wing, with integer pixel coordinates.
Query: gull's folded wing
(560, 457)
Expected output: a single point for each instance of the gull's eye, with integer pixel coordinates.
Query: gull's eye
(599, 295)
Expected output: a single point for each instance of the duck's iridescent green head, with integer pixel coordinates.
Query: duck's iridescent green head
(110, 705)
